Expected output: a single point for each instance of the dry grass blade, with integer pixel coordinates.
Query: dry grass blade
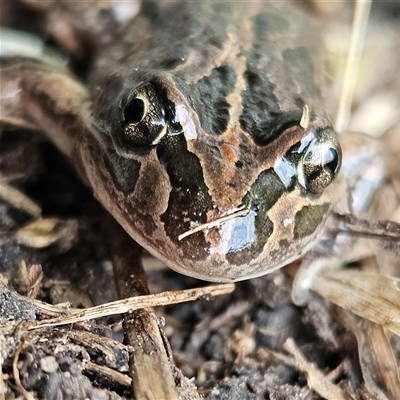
(135, 303)
(361, 14)
(369, 295)
(380, 352)
(377, 359)
(19, 200)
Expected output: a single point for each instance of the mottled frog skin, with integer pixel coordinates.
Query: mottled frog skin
(204, 134)
(195, 110)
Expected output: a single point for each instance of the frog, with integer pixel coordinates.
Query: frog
(202, 128)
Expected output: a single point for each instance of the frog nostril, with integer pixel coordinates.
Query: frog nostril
(189, 193)
(134, 111)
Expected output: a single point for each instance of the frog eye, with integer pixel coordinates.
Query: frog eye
(320, 163)
(142, 119)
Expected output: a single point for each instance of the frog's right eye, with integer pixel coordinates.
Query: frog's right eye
(142, 120)
(320, 159)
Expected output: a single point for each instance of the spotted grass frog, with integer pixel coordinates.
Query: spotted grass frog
(202, 129)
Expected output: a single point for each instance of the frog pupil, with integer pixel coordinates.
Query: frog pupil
(134, 111)
(331, 160)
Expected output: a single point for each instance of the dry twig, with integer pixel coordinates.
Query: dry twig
(73, 316)
(151, 366)
(316, 379)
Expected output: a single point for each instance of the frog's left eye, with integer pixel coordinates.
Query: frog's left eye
(142, 121)
(320, 162)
